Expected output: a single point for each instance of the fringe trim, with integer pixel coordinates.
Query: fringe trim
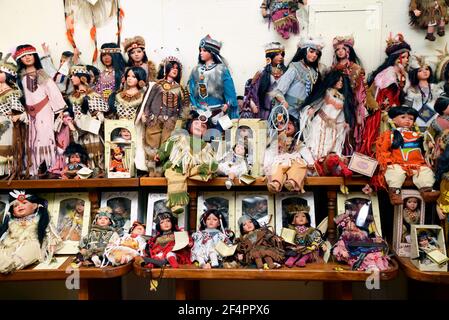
(178, 199)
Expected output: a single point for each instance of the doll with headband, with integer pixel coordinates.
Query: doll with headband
(167, 102)
(76, 159)
(110, 78)
(308, 240)
(128, 246)
(258, 245)
(13, 120)
(212, 230)
(101, 233)
(400, 155)
(411, 214)
(137, 57)
(429, 14)
(26, 235)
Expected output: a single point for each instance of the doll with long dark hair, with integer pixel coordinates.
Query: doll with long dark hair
(257, 98)
(110, 78)
(42, 101)
(301, 77)
(212, 230)
(26, 235)
(87, 105)
(347, 61)
(167, 102)
(75, 159)
(13, 120)
(210, 83)
(137, 57)
(328, 115)
(387, 85)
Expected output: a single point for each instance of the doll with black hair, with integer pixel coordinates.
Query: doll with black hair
(308, 240)
(234, 164)
(102, 232)
(13, 121)
(387, 87)
(26, 235)
(328, 115)
(258, 245)
(283, 15)
(436, 135)
(411, 214)
(94, 75)
(399, 153)
(110, 78)
(117, 164)
(76, 159)
(212, 230)
(423, 92)
(302, 75)
(257, 101)
(428, 14)
(427, 242)
(87, 105)
(167, 102)
(210, 84)
(137, 57)
(43, 101)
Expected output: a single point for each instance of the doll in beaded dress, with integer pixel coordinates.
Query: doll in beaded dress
(110, 78)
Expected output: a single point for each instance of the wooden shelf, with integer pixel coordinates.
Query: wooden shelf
(312, 272)
(69, 184)
(425, 276)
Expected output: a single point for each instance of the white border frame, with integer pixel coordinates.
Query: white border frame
(238, 207)
(228, 195)
(4, 198)
(134, 210)
(279, 197)
(415, 251)
(152, 199)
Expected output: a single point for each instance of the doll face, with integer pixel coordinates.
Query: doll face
(174, 71)
(239, 150)
(24, 208)
(75, 158)
(423, 242)
(137, 54)
(125, 134)
(339, 84)
(403, 59)
(412, 203)
(212, 222)
(75, 80)
(300, 219)
(205, 55)
(198, 128)
(290, 129)
(103, 221)
(312, 55)
(138, 230)
(341, 52)
(106, 58)
(278, 59)
(423, 73)
(166, 225)
(28, 60)
(2, 77)
(131, 79)
(248, 226)
(118, 156)
(79, 207)
(404, 121)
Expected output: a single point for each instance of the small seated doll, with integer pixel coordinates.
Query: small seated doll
(26, 235)
(258, 245)
(212, 230)
(77, 157)
(308, 240)
(426, 244)
(128, 246)
(399, 154)
(117, 164)
(102, 232)
(159, 248)
(234, 164)
(411, 214)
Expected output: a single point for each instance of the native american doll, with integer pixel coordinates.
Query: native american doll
(186, 157)
(302, 75)
(13, 121)
(258, 245)
(210, 84)
(167, 102)
(212, 231)
(72, 225)
(308, 240)
(87, 105)
(411, 214)
(102, 232)
(328, 115)
(110, 78)
(346, 61)
(387, 86)
(26, 235)
(43, 100)
(428, 14)
(257, 102)
(399, 154)
(422, 93)
(437, 134)
(234, 163)
(137, 57)
(283, 15)
(442, 180)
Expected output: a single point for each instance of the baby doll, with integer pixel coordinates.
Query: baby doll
(117, 164)
(428, 14)
(212, 230)
(411, 215)
(26, 235)
(159, 248)
(258, 245)
(399, 155)
(77, 159)
(308, 240)
(102, 232)
(234, 164)
(128, 246)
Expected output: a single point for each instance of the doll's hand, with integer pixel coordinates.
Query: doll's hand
(15, 118)
(157, 158)
(440, 212)
(431, 145)
(254, 107)
(285, 103)
(76, 56)
(310, 112)
(225, 108)
(144, 118)
(417, 12)
(45, 48)
(52, 249)
(324, 247)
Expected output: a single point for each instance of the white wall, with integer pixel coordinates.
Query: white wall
(182, 23)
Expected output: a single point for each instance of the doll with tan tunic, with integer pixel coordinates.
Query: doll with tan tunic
(26, 235)
(428, 14)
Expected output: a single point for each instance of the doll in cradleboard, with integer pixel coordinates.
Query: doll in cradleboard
(399, 154)
(411, 214)
(428, 14)
(234, 164)
(26, 235)
(212, 231)
(128, 246)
